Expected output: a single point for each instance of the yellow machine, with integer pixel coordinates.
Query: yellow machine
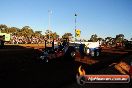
(77, 32)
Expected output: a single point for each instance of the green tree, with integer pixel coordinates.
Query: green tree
(119, 38)
(94, 38)
(13, 30)
(55, 35)
(108, 41)
(51, 35)
(3, 28)
(67, 35)
(37, 33)
(48, 34)
(26, 31)
(101, 40)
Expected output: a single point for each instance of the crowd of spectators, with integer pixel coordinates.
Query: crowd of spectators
(26, 40)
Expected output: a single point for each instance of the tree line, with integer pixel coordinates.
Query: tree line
(119, 39)
(27, 31)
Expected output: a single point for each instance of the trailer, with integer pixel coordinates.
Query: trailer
(88, 48)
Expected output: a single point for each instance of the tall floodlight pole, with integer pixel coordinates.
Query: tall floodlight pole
(49, 13)
(75, 25)
(49, 26)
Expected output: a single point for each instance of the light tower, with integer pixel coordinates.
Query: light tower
(75, 25)
(49, 25)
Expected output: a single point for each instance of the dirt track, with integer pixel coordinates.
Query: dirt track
(19, 68)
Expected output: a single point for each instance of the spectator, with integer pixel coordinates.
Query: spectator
(81, 50)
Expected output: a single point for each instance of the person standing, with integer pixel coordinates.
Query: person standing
(81, 50)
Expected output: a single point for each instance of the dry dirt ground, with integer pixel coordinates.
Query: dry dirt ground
(20, 68)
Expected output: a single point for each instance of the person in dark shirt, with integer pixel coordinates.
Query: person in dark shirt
(2, 41)
(81, 50)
